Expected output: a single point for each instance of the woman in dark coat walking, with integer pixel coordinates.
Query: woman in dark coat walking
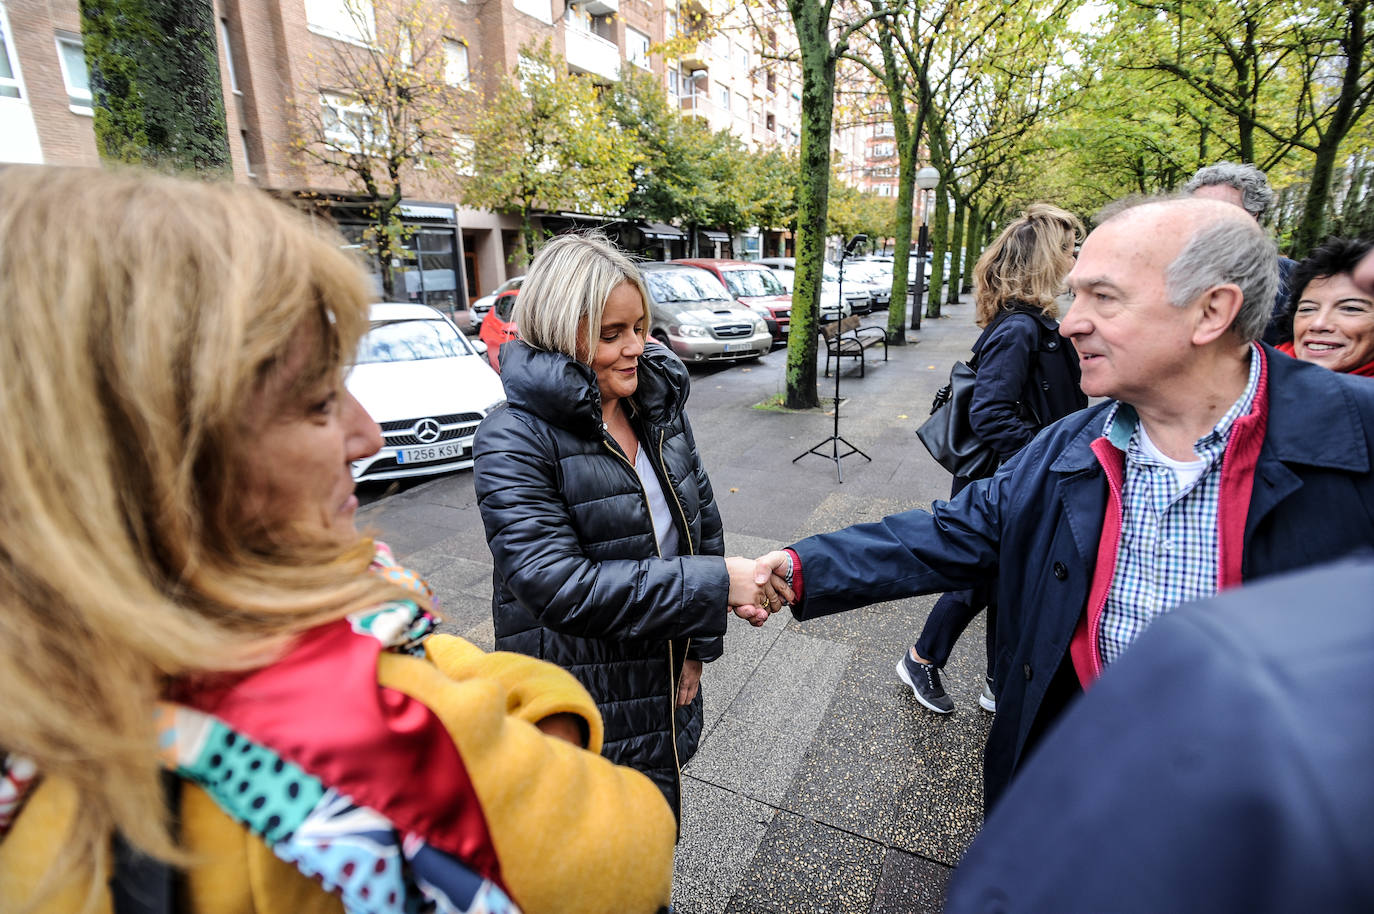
(603, 529)
(1027, 378)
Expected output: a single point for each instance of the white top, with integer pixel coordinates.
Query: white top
(664, 528)
(1186, 472)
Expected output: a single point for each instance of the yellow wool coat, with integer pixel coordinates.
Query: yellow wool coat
(573, 832)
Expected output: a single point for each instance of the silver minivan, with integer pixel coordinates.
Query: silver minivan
(693, 314)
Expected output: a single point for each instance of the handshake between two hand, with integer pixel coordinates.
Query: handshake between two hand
(758, 587)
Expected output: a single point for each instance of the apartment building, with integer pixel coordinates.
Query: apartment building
(270, 66)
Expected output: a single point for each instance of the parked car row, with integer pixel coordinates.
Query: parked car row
(479, 308)
(429, 386)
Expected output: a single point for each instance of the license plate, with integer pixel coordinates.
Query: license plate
(431, 453)
(738, 347)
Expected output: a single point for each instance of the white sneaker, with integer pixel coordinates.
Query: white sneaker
(987, 701)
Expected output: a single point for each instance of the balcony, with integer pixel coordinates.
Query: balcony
(602, 7)
(697, 57)
(588, 53)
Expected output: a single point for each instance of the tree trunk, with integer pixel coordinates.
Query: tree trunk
(1309, 230)
(817, 105)
(1312, 224)
(973, 248)
(155, 83)
(956, 250)
(901, 252)
(527, 234)
(382, 257)
(939, 244)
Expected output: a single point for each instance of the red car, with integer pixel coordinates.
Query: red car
(498, 327)
(754, 286)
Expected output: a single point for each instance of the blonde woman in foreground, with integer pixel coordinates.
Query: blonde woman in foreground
(214, 692)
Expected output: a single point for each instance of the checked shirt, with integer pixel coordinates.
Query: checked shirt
(1168, 550)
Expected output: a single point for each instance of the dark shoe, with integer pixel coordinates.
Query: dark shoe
(987, 701)
(924, 680)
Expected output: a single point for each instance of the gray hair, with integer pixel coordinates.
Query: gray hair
(561, 302)
(1228, 251)
(1255, 192)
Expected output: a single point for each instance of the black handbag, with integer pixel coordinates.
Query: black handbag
(948, 435)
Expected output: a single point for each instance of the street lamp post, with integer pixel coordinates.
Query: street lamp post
(926, 179)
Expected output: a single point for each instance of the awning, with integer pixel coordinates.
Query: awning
(659, 230)
(717, 237)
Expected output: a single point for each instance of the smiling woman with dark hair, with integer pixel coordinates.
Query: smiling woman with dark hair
(1333, 318)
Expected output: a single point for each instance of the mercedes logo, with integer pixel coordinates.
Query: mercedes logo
(427, 431)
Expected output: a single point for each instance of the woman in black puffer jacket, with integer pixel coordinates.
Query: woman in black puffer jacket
(1027, 378)
(605, 535)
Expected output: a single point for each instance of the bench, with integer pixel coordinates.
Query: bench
(846, 339)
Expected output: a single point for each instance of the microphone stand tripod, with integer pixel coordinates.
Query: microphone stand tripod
(835, 439)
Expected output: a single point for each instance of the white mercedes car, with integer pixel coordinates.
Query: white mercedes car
(427, 385)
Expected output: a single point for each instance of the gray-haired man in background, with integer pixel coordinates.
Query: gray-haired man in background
(1247, 187)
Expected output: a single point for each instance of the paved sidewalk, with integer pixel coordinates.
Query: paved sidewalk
(820, 785)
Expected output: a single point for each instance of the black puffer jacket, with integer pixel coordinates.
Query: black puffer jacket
(577, 577)
(1027, 378)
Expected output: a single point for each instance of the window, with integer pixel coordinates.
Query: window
(669, 26)
(74, 74)
(456, 71)
(349, 125)
(722, 96)
(742, 58)
(465, 154)
(404, 341)
(9, 63)
(883, 150)
(637, 47)
(539, 9)
(229, 56)
(771, 82)
(351, 20)
(770, 123)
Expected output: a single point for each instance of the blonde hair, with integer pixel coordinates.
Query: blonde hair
(564, 295)
(141, 314)
(1027, 263)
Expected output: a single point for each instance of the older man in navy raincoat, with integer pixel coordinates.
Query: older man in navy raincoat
(1215, 461)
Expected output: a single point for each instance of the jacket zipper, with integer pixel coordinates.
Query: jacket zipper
(691, 550)
(672, 678)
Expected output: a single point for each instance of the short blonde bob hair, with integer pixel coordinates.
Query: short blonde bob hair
(564, 295)
(141, 315)
(1027, 263)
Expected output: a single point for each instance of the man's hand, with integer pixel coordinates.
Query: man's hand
(770, 574)
(690, 681)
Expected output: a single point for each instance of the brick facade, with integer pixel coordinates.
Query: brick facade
(270, 64)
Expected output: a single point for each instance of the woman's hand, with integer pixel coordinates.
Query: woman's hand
(690, 681)
(572, 728)
(757, 588)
